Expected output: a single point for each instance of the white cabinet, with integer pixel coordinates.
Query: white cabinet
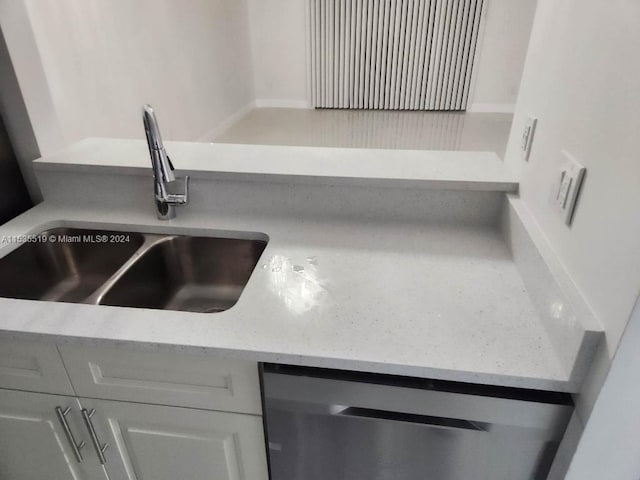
(164, 415)
(33, 442)
(169, 443)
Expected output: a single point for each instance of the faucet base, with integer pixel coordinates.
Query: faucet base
(165, 211)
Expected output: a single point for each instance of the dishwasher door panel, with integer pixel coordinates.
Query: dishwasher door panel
(328, 425)
(323, 446)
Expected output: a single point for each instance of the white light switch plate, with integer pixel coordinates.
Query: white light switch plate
(527, 137)
(570, 179)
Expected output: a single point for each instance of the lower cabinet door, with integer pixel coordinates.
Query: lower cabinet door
(170, 443)
(35, 444)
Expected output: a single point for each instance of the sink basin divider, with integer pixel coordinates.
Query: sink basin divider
(150, 240)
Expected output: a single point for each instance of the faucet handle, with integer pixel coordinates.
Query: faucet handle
(170, 163)
(180, 198)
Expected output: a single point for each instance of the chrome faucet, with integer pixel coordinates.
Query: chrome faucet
(163, 176)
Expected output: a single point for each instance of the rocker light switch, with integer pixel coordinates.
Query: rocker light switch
(571, 176)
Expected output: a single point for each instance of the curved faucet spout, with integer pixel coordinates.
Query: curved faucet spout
(162, 168)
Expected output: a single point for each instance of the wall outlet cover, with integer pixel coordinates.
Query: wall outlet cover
(527, 137)
(571, 176)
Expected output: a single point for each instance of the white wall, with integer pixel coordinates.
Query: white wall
(502, 53)
(103, 59)
(581, 81)
(279, 33)
(279, 48)
(583, 87)
(29, 71)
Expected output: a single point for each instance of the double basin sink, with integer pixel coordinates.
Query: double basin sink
(129, 269)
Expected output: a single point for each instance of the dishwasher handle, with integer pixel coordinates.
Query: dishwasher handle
(426, 420)
(317, 393)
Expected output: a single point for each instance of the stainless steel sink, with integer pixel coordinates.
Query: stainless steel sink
(64, 264)
(193, 274)
(169, 272)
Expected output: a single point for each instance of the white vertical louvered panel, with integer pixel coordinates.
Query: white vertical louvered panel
(393, 54)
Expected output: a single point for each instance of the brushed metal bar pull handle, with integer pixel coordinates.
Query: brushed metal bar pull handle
(100, 449)
(76, 447)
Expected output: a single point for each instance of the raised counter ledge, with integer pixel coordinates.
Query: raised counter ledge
(480, 171)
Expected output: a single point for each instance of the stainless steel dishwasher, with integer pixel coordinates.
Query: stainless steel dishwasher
(333, 425)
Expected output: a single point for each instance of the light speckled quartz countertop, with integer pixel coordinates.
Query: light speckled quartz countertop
(378, 260)
(408, 299)
(430, 169)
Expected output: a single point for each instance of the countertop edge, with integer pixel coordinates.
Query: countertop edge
(338, 363)
(480, 185)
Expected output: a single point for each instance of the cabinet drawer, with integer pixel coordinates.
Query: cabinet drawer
(33, 366)
(164, 378)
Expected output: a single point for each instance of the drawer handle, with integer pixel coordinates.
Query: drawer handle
(100, 449)
(76, 447)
